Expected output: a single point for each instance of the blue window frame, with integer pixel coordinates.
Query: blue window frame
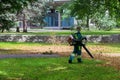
(51, 20)
(67, 22)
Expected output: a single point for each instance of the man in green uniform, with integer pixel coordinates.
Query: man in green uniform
(76, 38)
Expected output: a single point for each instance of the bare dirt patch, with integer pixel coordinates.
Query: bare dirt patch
(112, 59)
(60, 49)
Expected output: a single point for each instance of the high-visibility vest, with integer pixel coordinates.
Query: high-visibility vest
(77, 39)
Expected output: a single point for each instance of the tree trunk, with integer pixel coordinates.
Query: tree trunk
(17, 29)
(24, 24)
(87, 24)
(2, 30)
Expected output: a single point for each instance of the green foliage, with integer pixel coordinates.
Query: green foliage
(36, 12)
(8, 10)
(6, 24)
(6, 21)
(104, 22)
(86, 9)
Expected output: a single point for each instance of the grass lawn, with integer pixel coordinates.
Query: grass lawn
(55, 69)
(65, 32)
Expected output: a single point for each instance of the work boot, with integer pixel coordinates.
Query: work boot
(70, 61)
(79, 60)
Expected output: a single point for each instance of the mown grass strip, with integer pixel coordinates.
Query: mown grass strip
(65, 32)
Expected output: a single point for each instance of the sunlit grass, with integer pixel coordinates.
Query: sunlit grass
(65, 32)
(55, 69)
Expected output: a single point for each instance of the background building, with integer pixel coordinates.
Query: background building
(54, 19)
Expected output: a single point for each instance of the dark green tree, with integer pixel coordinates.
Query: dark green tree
(8, 7)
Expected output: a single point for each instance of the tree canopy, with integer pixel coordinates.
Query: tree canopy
(12, 5)
(88, 8)
(33, 14)
(8, 9)
(30, 10)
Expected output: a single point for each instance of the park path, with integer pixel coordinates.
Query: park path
(27, 55)
(2, 56)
